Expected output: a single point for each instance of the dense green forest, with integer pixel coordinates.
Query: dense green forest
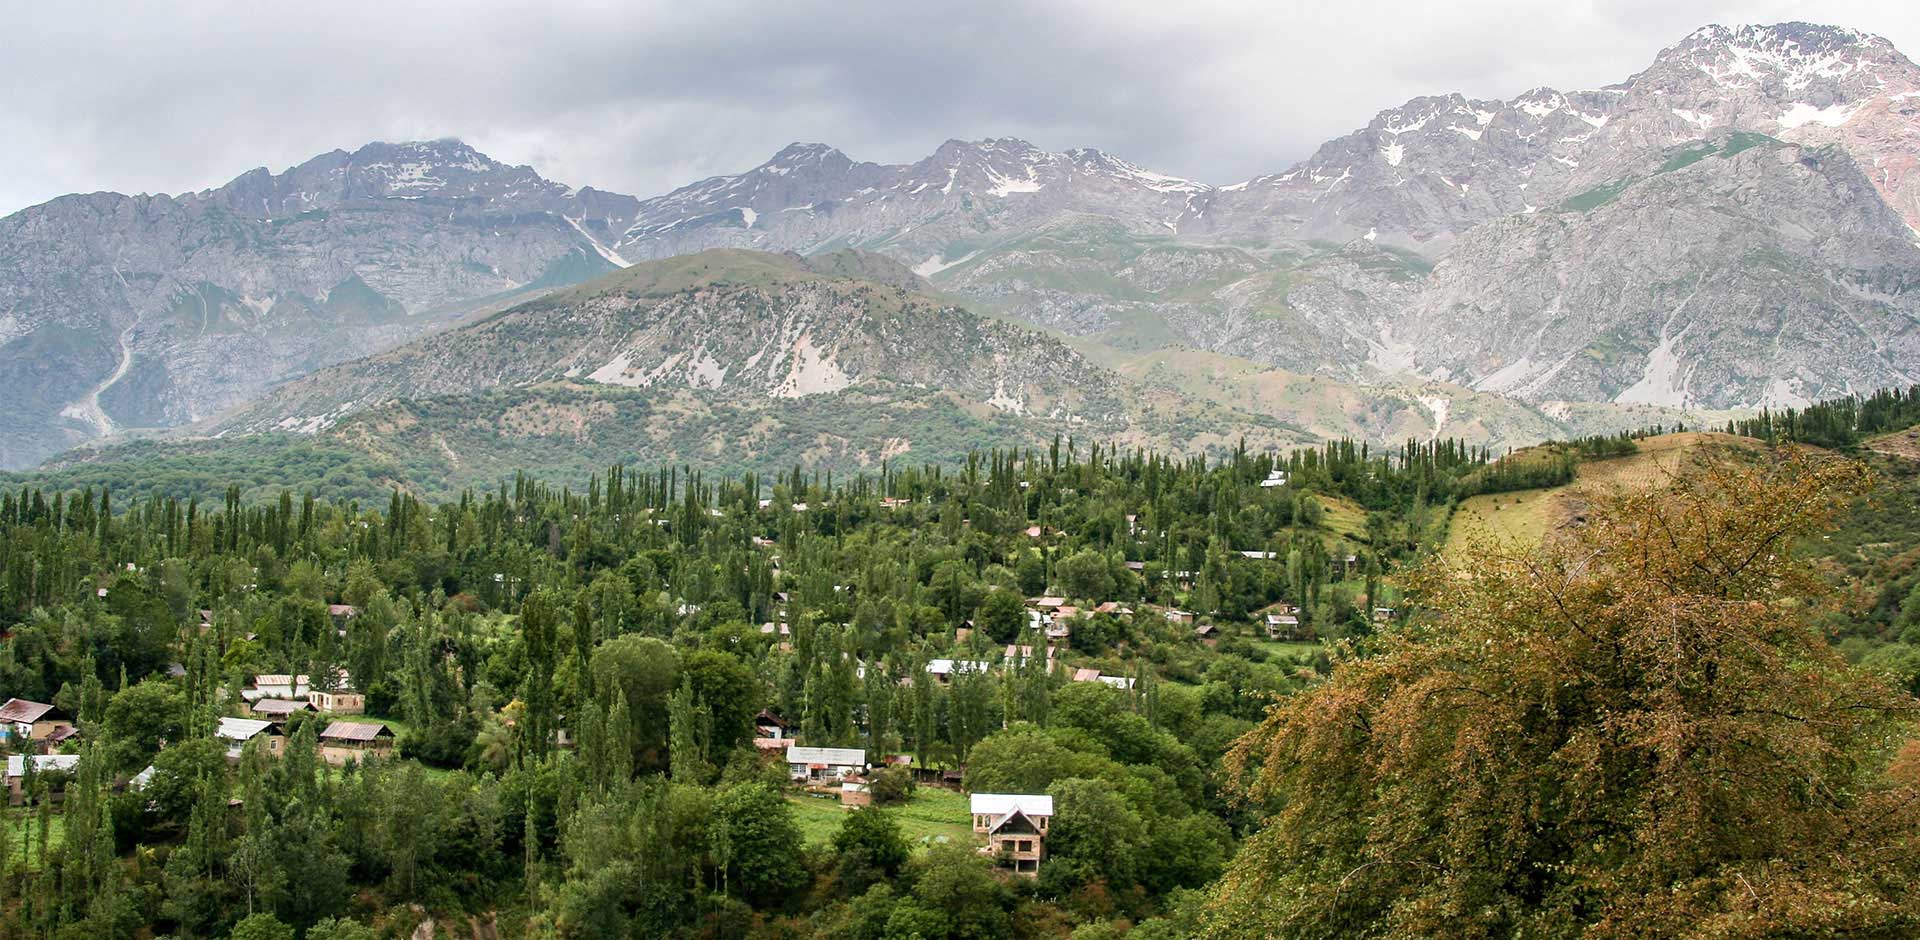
(1257, 703)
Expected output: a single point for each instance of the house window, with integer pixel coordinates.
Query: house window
(1026, 845)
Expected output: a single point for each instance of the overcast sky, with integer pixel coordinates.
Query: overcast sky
(640, 97)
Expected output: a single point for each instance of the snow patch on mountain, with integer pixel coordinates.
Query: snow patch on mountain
(938, 263)
(1802, 114)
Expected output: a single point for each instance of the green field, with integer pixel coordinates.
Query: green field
(932, 816)
(22, 825)
(1524, 517)
(1296, 649)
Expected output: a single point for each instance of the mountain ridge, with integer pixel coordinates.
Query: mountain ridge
(161, 310)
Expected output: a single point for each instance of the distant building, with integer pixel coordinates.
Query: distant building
(853, 793)
(354, 740)
(61, 764)
(825, 763)
(769, 726)
(1015, 825)
(34, 723)
(238, 731)
(943, 670)
(280, 708)
(341, 702)
(272, 685)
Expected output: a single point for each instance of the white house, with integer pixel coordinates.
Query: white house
(943, 670)
(989, 808)
(821, 763)
(238, 731)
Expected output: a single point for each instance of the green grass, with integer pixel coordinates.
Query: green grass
(1295, 649)
(932, 815)
(22, 823)
(1596, 197)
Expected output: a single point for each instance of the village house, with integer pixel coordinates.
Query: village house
(854, 793)
(770, 732)
(1382, 614)
(355, 740)
(1015, 825)
(769, 726)
(943, 670)
(338, 702)
(1274, 478)
(1094, 675)
(273, 685)
(1207, 633)
(1016, 652)
(280, 708)
(1178, 616)
(815, 764)
(59, 764)
(35, 723)
(1283, 627)
(238, 731)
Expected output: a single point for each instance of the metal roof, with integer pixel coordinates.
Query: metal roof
(837, 756)
(1000, 804)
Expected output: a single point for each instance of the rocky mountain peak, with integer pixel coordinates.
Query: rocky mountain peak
(800, 156)
(1791, 62)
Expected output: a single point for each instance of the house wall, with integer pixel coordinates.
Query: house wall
(339, 703)
(337, 753)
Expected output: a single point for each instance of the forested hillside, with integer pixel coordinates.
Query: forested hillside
(670, 703)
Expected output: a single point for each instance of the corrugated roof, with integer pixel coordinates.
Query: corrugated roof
(354, 731)
(1000, 804)
(281, 706)
(840, 756)
(242, 729)
(17, 765)
(19, 709)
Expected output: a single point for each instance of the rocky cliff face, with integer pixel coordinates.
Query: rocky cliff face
(1741, 270)
(143, 311)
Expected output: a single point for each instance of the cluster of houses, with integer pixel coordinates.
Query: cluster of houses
(36, 730)
(1013, 825)
(282, 695)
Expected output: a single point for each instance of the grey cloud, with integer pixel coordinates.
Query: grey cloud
(641, 97)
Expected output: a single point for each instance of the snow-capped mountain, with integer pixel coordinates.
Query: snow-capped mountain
(811, 197)
(1087, 244)
(1733, 226)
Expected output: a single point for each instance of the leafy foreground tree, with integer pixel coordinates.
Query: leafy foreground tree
(1631, 732)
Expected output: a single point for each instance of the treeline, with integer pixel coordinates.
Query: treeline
(1838, 422)
(1554, 463)
(573, 675)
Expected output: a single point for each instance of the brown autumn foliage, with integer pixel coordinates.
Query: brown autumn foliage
(1631, 732)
